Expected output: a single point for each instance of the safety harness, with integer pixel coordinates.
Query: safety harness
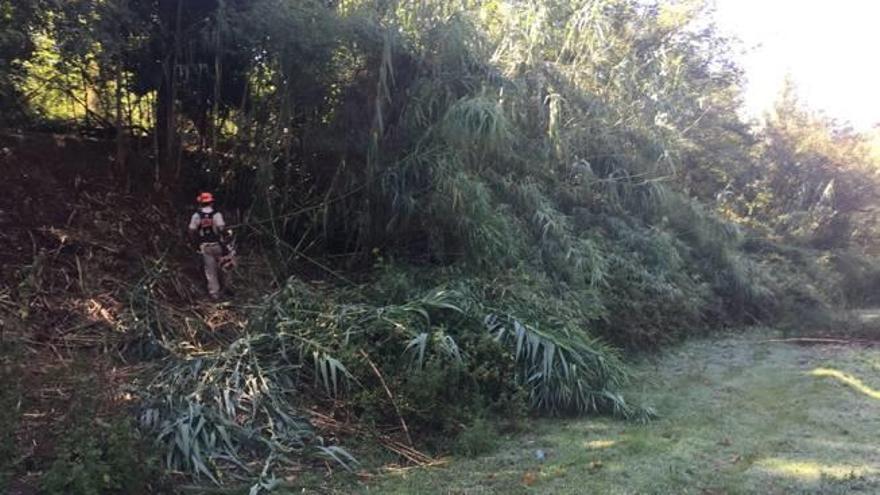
(207, 231)
(209, 234)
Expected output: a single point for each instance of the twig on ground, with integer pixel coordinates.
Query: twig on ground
(390, 396)
(406, 451)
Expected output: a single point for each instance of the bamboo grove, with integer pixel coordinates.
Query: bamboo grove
(504, 196)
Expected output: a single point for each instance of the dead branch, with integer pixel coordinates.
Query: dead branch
(817, 340)
(390, 396)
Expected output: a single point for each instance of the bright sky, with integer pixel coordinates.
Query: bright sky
(831, 49)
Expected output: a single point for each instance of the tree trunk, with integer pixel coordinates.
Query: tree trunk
(121, 148)
(215, 110)
(170, 12)
(164, 122)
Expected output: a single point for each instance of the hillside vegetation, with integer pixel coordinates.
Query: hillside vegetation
(452, 215)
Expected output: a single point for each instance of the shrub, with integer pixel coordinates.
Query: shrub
(478, 438)
(437, 360)
(97, 457)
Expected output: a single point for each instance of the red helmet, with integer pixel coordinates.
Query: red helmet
(205, 197)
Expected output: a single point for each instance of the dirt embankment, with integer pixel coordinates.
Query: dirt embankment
(90, 277)
(69, 237)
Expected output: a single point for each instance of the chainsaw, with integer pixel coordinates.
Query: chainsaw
(228, 261)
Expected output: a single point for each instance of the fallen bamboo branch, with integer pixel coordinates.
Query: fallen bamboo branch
(818, 340)
(407, 452)
(69, 237)
(390, 396)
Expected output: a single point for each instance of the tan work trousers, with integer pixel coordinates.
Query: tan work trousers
(211, 254)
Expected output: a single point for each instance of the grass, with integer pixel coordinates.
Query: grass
(738, 415)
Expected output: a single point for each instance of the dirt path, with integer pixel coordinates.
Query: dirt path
(739, 415)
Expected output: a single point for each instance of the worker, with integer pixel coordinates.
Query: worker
(206, 229)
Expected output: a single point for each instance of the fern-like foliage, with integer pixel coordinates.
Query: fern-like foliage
(565, 372)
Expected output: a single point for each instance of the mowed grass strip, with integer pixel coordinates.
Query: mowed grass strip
(738, 415)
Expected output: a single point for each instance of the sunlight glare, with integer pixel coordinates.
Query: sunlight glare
(847, 379)
(827, 48)
(812, 471)
(600, 444)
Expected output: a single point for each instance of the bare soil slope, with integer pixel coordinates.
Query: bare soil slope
(88, 275)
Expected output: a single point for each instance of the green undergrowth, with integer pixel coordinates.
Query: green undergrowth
(87, 448)
(740, 416)
(450, 362)
(448, 356)
(99, 450)
(814, 290)
(97, 456)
